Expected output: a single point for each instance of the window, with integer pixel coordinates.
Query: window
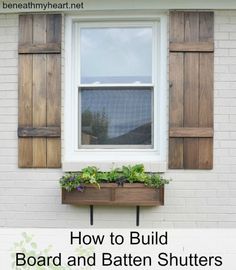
(114, 97)
(115, 86)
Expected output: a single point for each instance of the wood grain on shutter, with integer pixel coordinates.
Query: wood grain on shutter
(191, 47)
(191, 90)
(40, 48)
(176, 90)
(48, 132)
(25, 146)
(39, 91)
(186, 132)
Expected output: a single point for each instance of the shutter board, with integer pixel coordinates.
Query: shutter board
(39, 91)
(25, 146)
(206, 26)
(25, 29)
(53, 108)
(53, 96)
(176, 89)
(191, 90)
(39, 109)
(176, 111)
(191, 75)
(206, 109)
(53, 22)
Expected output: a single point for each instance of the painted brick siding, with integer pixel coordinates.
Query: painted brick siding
(31, 198)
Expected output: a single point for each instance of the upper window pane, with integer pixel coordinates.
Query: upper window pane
(116, 55)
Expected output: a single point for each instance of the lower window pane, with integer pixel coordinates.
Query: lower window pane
(116, 117)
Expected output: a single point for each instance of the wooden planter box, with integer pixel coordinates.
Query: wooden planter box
(112, 194)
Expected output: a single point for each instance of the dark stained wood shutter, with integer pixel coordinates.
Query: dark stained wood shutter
(191, 90)
(39, 144)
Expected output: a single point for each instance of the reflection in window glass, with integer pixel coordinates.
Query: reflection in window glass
(116, 116)
(116, 55)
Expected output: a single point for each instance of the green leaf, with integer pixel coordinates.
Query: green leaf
(34, 245)
(92, 175)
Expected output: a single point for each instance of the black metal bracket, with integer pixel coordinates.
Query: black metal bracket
(91, 215)
(137, 215)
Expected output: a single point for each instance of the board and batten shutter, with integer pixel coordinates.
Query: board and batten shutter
(39, 119)
(191, 90)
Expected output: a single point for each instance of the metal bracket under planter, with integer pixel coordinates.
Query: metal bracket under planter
(111, 194)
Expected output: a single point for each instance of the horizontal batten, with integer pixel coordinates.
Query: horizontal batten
(191, 47)
(191, 132)
(39, 48)
(52, 132)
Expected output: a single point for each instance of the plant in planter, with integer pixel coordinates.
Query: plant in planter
(130, 185)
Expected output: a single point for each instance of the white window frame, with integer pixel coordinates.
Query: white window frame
(154, 159)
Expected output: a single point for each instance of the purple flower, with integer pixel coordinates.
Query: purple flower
(72, 178)
(80, 188)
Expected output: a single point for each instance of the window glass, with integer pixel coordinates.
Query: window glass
(116, 55)
(116, 116)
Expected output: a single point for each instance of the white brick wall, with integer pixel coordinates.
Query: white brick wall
(31, 198)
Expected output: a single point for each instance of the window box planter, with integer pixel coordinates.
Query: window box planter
(114, 195)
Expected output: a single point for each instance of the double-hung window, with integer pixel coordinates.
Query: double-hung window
(113, 101)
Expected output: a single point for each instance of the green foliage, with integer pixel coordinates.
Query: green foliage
(89, 175)
(156, 180)
(114, 175)
(129, 174)
(71, 181)
(134, 173)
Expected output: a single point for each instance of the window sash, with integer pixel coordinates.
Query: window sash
(115, 146)
(124, 24)
(117, 24)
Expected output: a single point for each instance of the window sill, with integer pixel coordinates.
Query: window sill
(72, 166)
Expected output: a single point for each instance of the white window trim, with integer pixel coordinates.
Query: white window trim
(153, 159)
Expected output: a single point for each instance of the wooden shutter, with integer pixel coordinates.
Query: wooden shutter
(39, 144)
(191, 90)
